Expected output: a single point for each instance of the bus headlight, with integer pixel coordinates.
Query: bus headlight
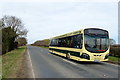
(85, 56)
(106, 57)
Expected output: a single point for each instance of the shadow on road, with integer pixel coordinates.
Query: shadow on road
(80, 62)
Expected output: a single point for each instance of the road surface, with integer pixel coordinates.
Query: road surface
(47, 65)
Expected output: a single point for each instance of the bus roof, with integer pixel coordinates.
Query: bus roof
(73, 33)
(69, 34)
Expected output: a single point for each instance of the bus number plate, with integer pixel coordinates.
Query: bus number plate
(97, 60)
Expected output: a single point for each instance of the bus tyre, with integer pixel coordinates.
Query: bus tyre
(68, 55)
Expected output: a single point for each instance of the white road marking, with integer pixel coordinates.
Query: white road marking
(70, 62)
(31, 64)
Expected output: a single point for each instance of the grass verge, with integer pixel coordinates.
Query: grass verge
(114, 59)
(11, 62)
(0, 67)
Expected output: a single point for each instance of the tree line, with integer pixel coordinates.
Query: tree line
(44, 43)
(13, 33)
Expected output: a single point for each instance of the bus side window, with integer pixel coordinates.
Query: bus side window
(59, 42)
(74, 41)
(50, 42)
(68, 42)
(80, 40)
(77, 41)
(53, 42)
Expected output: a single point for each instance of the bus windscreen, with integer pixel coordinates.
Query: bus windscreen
(96, 40)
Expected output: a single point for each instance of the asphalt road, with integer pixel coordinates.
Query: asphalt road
(47, 65)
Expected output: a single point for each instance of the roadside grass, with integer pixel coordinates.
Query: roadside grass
(11, 62)
(0, 67)
(114, 59)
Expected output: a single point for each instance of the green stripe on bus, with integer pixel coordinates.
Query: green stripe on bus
(77, 54)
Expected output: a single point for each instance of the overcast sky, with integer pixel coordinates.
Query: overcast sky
(46, 19)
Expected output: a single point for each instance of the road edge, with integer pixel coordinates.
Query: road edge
(33, 74)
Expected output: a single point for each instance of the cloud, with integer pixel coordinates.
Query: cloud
(48, 19)
(60, 0)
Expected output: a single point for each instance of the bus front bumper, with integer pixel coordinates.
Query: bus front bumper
(92, 60)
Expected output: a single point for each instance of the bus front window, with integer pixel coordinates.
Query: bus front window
(96, 44)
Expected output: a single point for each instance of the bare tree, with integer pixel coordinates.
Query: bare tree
(112, 41)
(12, 29)
(15, 23)
(21, 41)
